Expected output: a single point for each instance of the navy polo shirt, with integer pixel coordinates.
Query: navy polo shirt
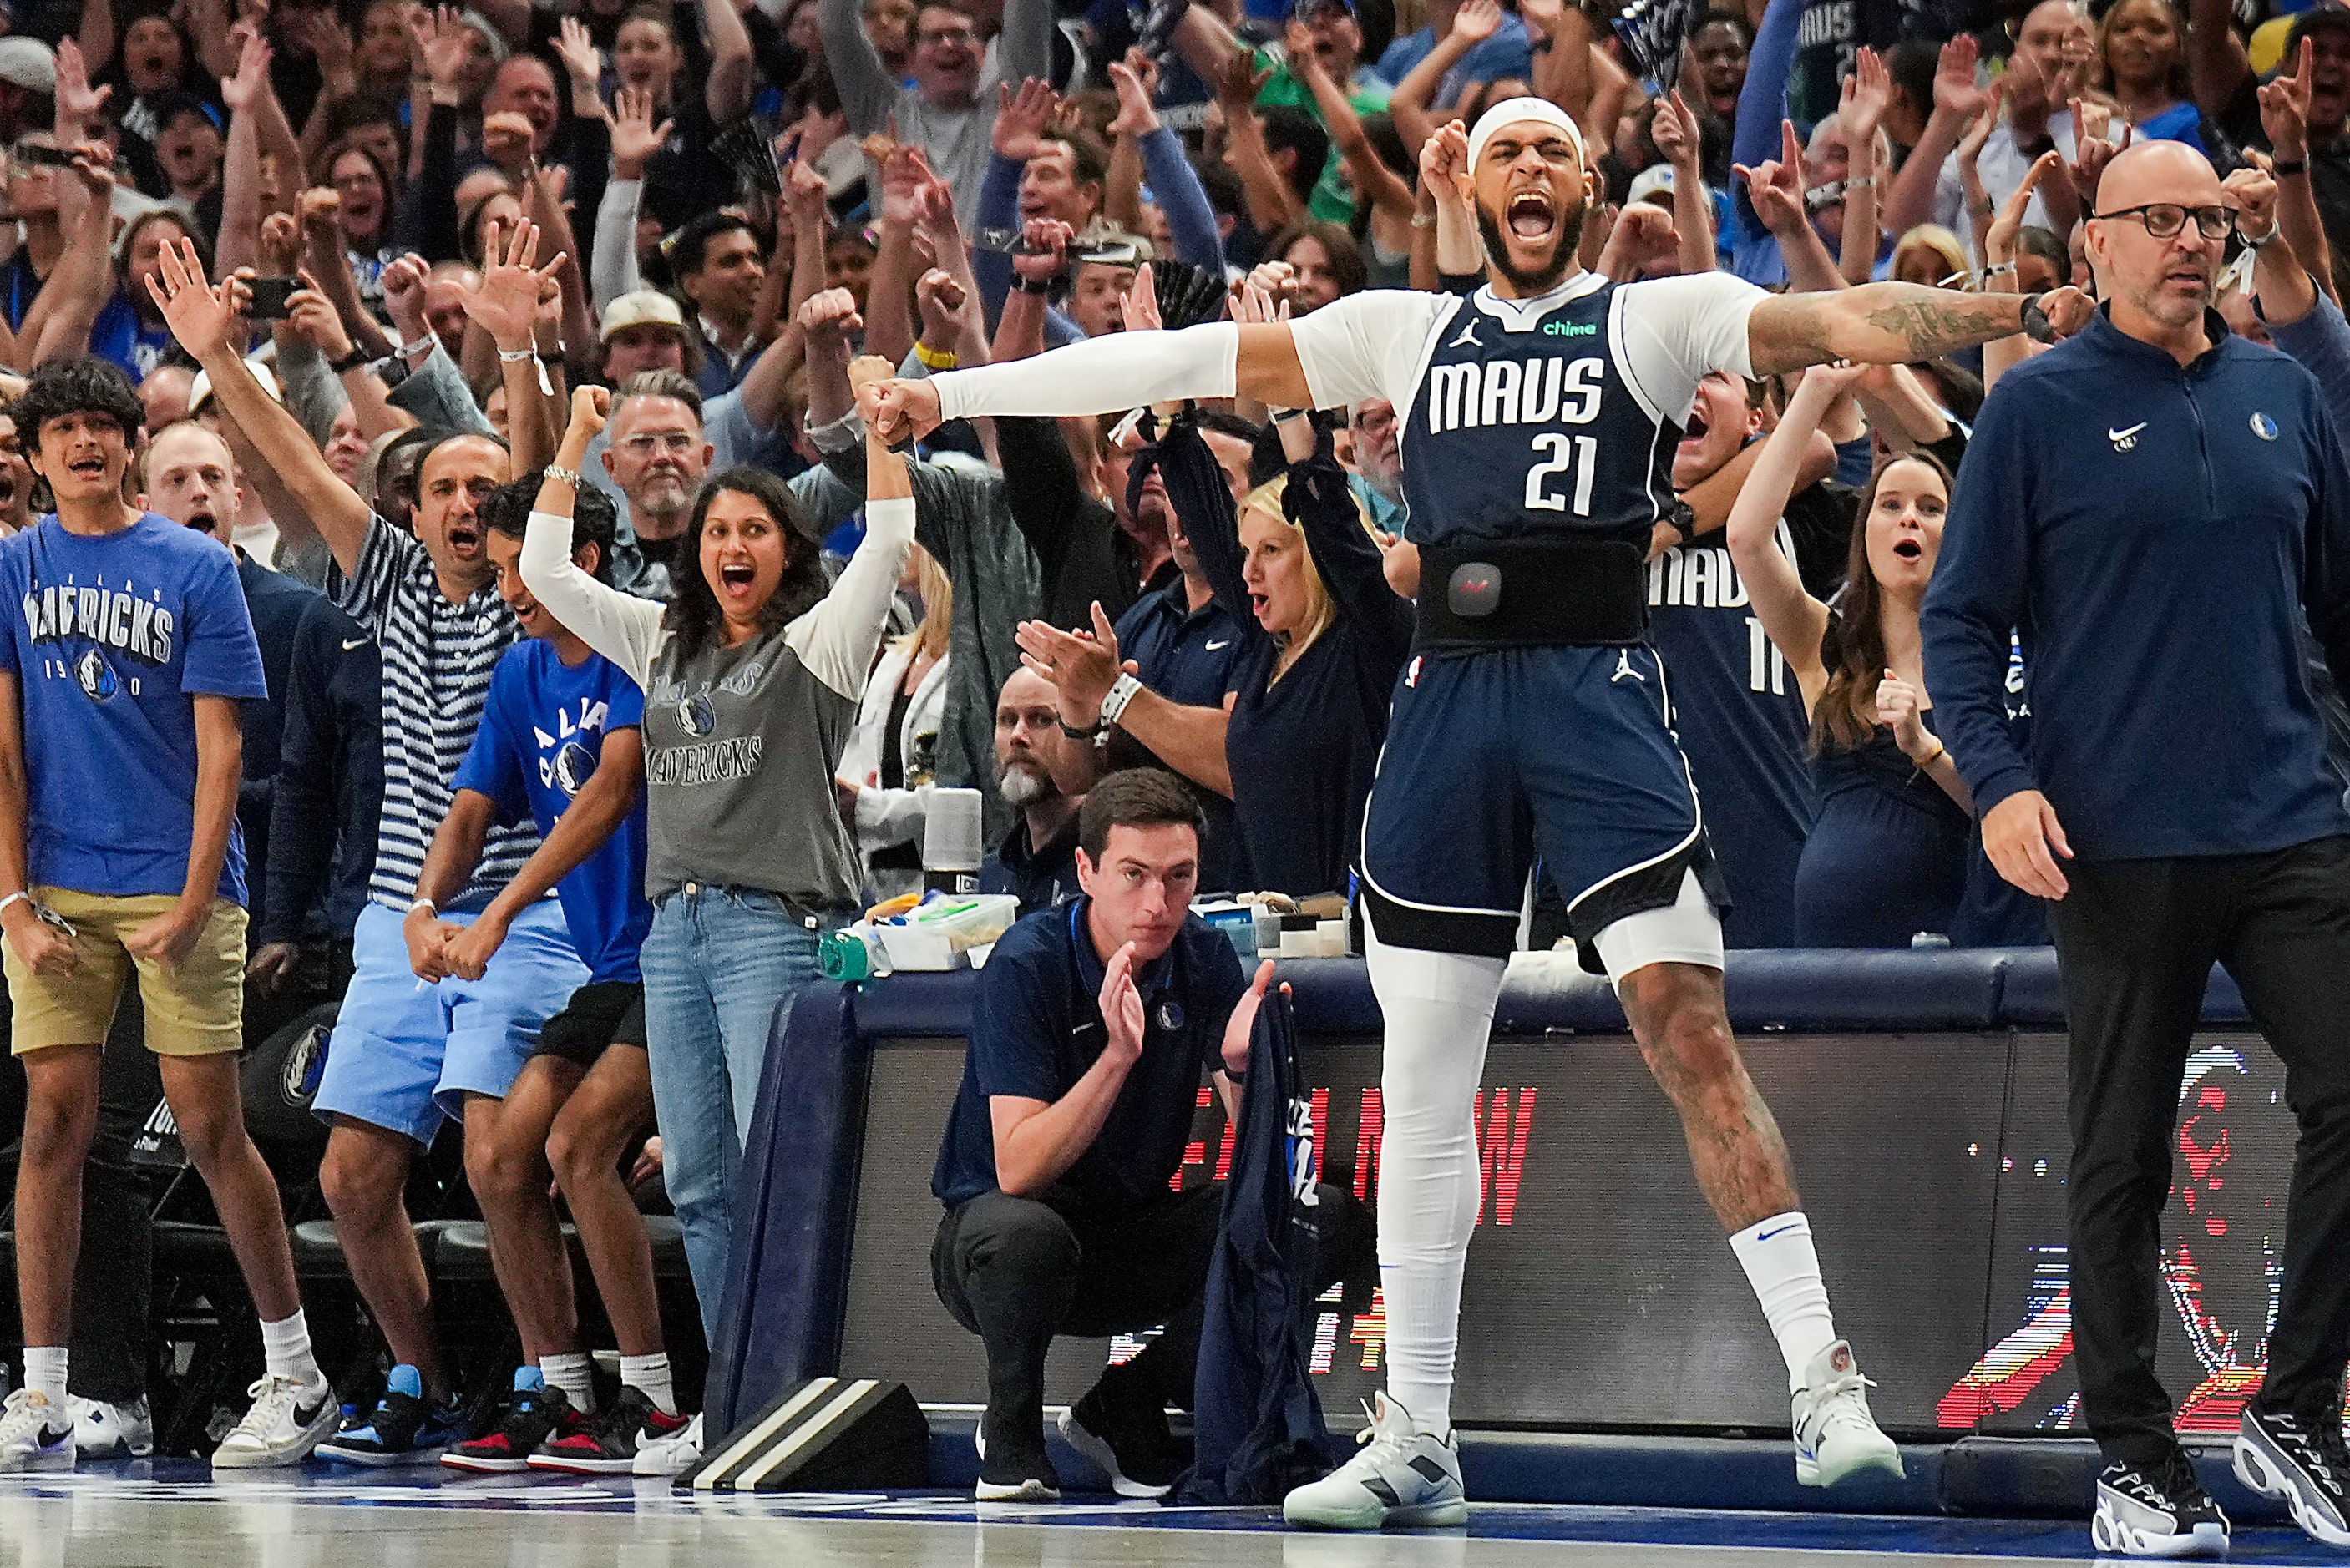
(1185, 655)
(1037, 1028)
(1039, 875)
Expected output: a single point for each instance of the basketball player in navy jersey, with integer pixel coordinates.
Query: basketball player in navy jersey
(1540, 420)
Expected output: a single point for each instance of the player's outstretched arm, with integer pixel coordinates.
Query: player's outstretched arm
(1894, 323)
(1103, 375)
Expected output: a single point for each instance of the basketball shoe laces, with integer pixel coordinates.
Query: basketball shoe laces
(276, 1402)
(1831, 1410)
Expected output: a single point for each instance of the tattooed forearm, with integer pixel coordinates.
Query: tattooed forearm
(1876, 324)
(1930, 321)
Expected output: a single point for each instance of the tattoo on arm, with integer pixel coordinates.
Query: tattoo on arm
(1933, 321)
(1878, 323)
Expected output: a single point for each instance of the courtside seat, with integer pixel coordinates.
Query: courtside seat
(182, 1248)
(464, 1251)
(318, 1248)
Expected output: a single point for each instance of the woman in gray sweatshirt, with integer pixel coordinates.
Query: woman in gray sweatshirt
(752, 675)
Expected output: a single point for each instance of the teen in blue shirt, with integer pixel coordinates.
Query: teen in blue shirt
(559, 743)
(127, 651)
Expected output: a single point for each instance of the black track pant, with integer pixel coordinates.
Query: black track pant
(2136, 940)
(1018, 1271)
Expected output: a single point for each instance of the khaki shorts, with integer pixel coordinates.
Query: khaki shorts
(196, 1010)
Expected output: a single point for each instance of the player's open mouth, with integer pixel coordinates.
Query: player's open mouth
(735, 579)
(1531, 215)
(203, 523)
(87, 467)
(1909, 550)
(1258, 604)
(464, 537)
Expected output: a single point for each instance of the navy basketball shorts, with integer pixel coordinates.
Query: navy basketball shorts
(1497, 756)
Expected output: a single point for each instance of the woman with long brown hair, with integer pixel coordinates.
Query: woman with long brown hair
(1887, 855)
(751, 675)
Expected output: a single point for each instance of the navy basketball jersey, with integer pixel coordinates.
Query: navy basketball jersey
(1740, 719)
(1545, 417)
(1523, 431)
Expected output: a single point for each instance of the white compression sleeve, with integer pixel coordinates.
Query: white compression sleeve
(1440, 1012)
(1101, 375)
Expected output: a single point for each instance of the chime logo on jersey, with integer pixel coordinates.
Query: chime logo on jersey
(1473, 393)
(140, 627)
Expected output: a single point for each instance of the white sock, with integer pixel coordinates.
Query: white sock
(1439, 1010)
(286, 1347)
(575, 1376)
(649, 1376)
(44, 1373)
(1785, 1271)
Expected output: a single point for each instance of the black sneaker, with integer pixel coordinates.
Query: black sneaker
(608, 1444)
(531, 1417)
(2159, 1511)
(1128, 1439)
(401, 1430)
(1013, 1466)
(2301, 1459)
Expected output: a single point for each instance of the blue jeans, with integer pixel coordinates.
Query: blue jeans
(717, 963)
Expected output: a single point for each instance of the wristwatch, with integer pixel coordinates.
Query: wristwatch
(351, 361)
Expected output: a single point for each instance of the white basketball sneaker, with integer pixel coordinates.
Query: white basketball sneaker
(287, 1421)
(1835, 1436)
(106, 1431)
(36, 1434)
(1402, 1476)
(671, 1455)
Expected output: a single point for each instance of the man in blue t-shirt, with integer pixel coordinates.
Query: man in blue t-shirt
(1093, 1023)
(559, 745)
(128, 651)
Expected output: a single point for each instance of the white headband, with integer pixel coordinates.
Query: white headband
(1511, 111)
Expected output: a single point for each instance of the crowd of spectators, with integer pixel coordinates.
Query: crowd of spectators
(510, 351)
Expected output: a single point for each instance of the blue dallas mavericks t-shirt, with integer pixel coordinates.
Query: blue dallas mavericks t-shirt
(541, 736)
(111, 639)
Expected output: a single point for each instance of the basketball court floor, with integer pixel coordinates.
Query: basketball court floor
(175, 1514)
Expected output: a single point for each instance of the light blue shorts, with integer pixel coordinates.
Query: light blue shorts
(404, 1054)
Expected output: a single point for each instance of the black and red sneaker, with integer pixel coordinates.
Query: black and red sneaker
(607, 1444)
(531, 1417)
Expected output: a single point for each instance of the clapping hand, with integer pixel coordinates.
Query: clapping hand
(1082, 667)
(1241, 1026)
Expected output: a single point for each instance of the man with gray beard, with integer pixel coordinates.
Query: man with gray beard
(1044, 773)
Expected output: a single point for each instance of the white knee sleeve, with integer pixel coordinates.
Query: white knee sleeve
(1439, 1013)
(1686, 930)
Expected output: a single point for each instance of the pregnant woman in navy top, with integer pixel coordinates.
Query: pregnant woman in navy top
(1887, 855)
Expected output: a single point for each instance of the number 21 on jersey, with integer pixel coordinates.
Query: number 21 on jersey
(1572, 462)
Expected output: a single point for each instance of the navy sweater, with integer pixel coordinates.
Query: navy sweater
(1300, 750)
(2154, 532)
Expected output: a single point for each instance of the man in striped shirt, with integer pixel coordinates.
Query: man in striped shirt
(408, 1053)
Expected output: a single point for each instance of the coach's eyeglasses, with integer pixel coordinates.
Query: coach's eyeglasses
(2163, 220)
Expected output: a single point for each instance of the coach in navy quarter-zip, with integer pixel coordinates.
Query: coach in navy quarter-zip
(2154, 507)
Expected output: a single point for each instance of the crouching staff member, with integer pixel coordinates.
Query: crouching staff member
(1078, 1097)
